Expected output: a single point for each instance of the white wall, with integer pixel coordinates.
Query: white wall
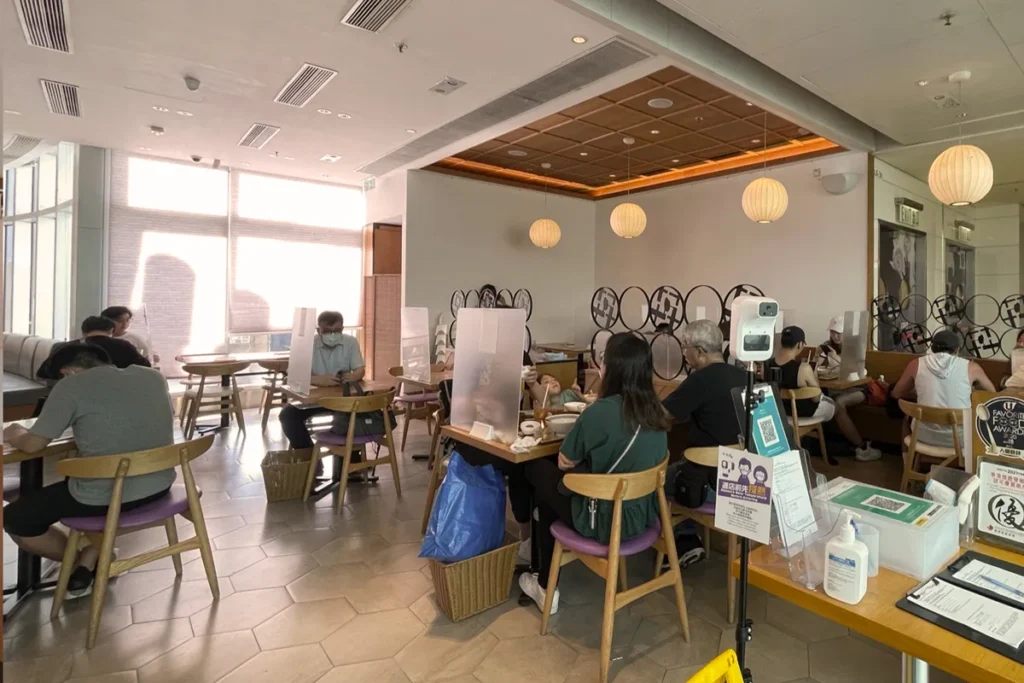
(385, 203)
(461, 234)
(812, 260)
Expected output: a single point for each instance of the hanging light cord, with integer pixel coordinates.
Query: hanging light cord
(764, 155)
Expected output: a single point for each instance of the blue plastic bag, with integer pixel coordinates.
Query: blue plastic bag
(468, 517)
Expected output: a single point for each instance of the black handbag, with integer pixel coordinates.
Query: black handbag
(367, 424)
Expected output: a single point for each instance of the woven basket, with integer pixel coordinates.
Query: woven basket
(284, 474)
(471, 586)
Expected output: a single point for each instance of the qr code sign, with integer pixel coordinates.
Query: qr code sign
(887, 504)
(769, 435)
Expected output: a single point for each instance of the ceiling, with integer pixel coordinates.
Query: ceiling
(701, 127)
(129, 57)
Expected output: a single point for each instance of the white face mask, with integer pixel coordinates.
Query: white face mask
(331, 339)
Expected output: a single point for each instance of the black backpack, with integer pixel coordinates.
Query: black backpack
(367, 424)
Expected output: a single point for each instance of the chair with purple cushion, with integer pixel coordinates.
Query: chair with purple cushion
(609, 561)
(329, 443)
(705, 517)
(101, 531)
(414, 404)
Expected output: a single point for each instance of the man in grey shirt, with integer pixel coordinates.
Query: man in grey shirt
(110, 411)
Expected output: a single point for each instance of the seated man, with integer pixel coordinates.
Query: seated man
(122, 317)
(796, 373)
(98, 331)
(110, 411)
(828, 366)
(336, 359)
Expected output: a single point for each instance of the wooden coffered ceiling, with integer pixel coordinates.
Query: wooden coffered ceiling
(580, 150)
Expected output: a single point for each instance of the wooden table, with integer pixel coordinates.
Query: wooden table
(227, 357)
(499, 449)
(563, 347)
(839, 384)
(31, 479)
(878, 618)
(311, 398)
(431, 385)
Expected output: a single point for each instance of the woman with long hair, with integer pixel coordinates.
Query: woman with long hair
(627, 425)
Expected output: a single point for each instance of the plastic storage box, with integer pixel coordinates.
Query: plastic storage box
(916, 536)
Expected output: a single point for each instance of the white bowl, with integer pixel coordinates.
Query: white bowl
(561, 425)
(575, 406)
(529, 427)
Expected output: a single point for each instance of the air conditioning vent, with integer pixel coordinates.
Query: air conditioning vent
(604, 60)
(258, 135)
(45, 23)
(19, 146)
(61, 98)
(373, 15)
(307, 82)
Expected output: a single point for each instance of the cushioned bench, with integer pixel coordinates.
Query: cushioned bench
(23, 354)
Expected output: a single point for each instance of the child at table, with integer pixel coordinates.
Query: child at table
(552, 388)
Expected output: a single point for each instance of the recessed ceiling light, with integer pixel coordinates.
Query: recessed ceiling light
(962, 115)
(583, 154)
(698, 119)
(156, 130)
(579, 40)
(144, 149)
(802, 131)
(289, 158)
(410, 131)
(939, 98)
(344, 116)
(12, 112)
(675, 161)
(756, 140)
(660, 103)
(158, 108)
(611, 175)
(516, 153)
(323, 111)
(750, 104)
(182, 112)
(655, 132)
(545, 165)
(330, 158)
(922, 82)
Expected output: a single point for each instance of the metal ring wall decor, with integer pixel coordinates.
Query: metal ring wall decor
(597, 344)
(667, 354)
(524, 300)
(471, 298)
(1011, 335)
(458, 302)
(604, 308)
(948, 309)
(488, 298)
(721, 304)
(906, 304)
(1011, 311)
(972, 304)
(982, 342)
(886, 309)
(730, 296)
(643, 318)
(505, 297)
(667, 307)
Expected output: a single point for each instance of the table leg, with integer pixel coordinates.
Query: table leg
(29, 566)
(225, 418)
(914, 670)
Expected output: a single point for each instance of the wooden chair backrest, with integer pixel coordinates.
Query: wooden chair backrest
(215, 369)
(367, 403)
(618, 487)
(664, 387)
(134, 464)
(706, 455)
(800, 394)
(437, 367)
(274, 365)
(947, 417)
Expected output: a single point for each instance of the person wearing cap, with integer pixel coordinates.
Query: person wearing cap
(830, 358)
(941, 379)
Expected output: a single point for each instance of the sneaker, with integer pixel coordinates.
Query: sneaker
(531, 586)
(80, 582)
(690, 551)
(525, 554)
(867, 453)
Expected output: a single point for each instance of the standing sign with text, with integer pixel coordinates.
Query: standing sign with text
(744, 494)
(1001, 502)
(1000, 425)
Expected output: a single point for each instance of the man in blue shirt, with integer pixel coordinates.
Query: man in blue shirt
(336, 359)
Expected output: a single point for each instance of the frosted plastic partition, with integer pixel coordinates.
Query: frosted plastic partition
(140, 326)
(855, 345)
(416, 344)
(300, 358)
(488, 370)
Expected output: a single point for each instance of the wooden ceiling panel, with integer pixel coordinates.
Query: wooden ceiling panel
(579, 150)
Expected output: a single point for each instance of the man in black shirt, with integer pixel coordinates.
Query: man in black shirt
(99, 331)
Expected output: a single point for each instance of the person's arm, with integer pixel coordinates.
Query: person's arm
(355, 362)
(573, 449)
(805, 377)
(133, 357)
(57, 415)
(24, 440)
(354, 375)
(978, 377)
(905, 386)
(682, 402)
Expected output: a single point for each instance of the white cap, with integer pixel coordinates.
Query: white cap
(836, 324)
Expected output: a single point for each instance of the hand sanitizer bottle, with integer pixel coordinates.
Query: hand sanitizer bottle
(846, 563)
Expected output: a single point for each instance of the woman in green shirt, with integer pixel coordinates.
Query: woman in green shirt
(628, 418)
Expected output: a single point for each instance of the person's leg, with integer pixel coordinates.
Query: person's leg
(293, 424)
(552, 507)
(29, 521)
(844, 401)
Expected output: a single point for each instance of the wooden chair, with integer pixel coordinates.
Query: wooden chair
(918, 454)
(705, 516)
(435, 465)
(608, 561)
(100, 532)
(414, 404)
(212, 399)
(273, 397)
(328, 443)
(805, 425)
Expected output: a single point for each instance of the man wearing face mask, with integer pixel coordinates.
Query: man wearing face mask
(336, 359)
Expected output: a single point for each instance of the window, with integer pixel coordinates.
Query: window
(37, 244)
(220, 259)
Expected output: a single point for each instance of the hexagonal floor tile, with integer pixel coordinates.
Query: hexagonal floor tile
(580, 627)
(660, 639)
(403, 557)
(631, 668)
(40, 670)
(369, 637)
(299, 542)
(381, 671)
(350, 549)
(226, 562)
(444, 652)
(336, 581)
(272, 572)
(799, 623)
(304, 623)
(202, 660)
(119, 677)
(539, 659)
(389, 591)
(130, 588)
(776, 656)
(132, 647)
(510, 620)
(302, 664)
(250, 535)
(180, 600)
(240, 611)
(849, 660)
(64, 635)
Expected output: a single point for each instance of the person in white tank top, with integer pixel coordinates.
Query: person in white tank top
(941, 379)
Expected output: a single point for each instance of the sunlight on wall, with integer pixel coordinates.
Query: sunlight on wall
(169, 186)
(300, 203)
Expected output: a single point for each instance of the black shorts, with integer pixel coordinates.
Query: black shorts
(35, 512)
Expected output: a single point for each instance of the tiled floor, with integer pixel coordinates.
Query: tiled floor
(310, 596)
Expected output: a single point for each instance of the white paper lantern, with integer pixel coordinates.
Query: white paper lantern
(765, 200)
(545, 233)
(961, 175)
(628, 220)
